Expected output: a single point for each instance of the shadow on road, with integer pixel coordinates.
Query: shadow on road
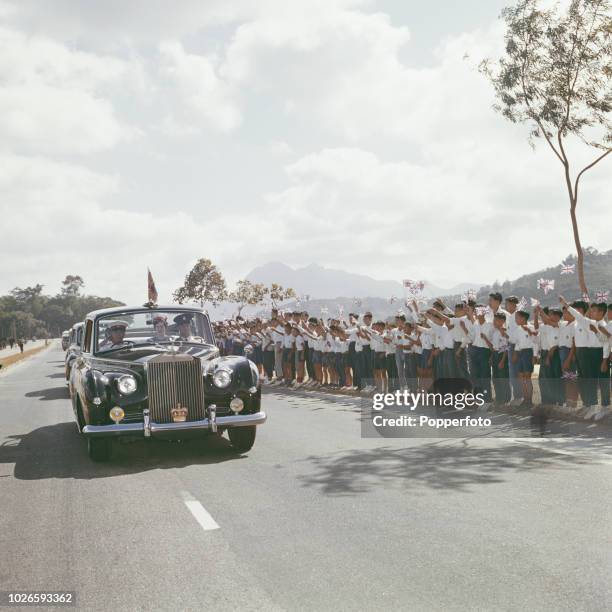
(52, 393)
(58, 375)
(444, 466)
(58, 451)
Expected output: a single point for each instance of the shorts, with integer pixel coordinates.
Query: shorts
(316, 357)
(423, 359)
(346, 360)
(525, 361)
(300, 356)
(287, 355)
(380, 361)
(329, 360)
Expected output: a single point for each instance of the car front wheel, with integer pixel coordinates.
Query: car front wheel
(242, 438)
(99, 449)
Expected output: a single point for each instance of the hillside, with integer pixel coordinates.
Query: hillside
(598, 276)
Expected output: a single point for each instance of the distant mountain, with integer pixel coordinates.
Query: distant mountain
(326, 283)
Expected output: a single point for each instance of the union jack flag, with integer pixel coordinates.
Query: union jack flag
(357, 302)
(568, 268)
(407, 283)
(522, 304)
(324, 310)
(602, 296)
(340, 309)
(534, 302)
(546, 284)
(570, 375)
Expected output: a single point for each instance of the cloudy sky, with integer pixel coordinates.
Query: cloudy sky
(354, 134)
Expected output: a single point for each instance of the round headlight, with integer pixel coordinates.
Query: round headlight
(236, 405)
(126, 384)
(222, 378)
(116, 414)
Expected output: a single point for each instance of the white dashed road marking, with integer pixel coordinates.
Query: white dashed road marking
(206, 521)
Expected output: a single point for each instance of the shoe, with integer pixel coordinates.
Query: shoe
(602, 414)
(590, 413)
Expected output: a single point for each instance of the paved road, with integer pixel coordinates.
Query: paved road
(314, 518)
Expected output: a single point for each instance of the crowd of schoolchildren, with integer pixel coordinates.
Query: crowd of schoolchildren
(494, 347)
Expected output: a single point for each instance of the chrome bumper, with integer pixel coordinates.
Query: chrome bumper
(187, 427)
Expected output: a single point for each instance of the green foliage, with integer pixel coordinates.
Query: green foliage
(279, 294)
(204, 283)
(597, 270)
(556, 77)
(247, 293)
(28, 312)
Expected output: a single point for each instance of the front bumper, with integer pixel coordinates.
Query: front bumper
(187, 428)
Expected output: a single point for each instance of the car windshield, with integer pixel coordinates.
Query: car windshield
(129, 329)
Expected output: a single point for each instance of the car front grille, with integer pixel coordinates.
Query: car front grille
(173, 380)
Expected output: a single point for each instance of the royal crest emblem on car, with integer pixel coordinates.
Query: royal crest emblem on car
(179, 413)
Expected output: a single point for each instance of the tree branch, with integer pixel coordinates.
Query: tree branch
(595, 161)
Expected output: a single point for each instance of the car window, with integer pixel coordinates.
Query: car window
(133, 328)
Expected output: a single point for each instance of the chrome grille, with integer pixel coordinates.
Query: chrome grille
(174, 379)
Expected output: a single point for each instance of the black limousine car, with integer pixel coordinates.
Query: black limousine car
(154, 371)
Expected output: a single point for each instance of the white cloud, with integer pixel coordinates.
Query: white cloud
(205, 96)
(50, 99)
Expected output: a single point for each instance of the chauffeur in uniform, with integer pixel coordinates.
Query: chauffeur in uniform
(183, 322)
(116, 333)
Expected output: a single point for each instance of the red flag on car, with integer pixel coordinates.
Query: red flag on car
(152, 288)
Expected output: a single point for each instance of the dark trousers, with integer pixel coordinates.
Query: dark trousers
(410, 370)
(604, 384)
(268, 363)
(551, 385)
(501, 381)
(392, 372)
(368, 369)
(308, 360)
(461, 365)
(588, 361)
(481, 370)
(355, 361)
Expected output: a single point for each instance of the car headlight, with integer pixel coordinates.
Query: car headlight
(222, 378)
(127, 384)
(254, 374)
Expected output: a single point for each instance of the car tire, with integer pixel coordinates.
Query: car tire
(99, 449)
(242, 438)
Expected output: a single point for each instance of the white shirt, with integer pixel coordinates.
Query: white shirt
(353, 337)
(566, 333)
(427, 337)
(377, 343)
(607, 348)
(499, 341)
(523, 339)
(585, 337)
(478, 328)
(443, 336)
(549, 336)
(458, 333)
(390, 346)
